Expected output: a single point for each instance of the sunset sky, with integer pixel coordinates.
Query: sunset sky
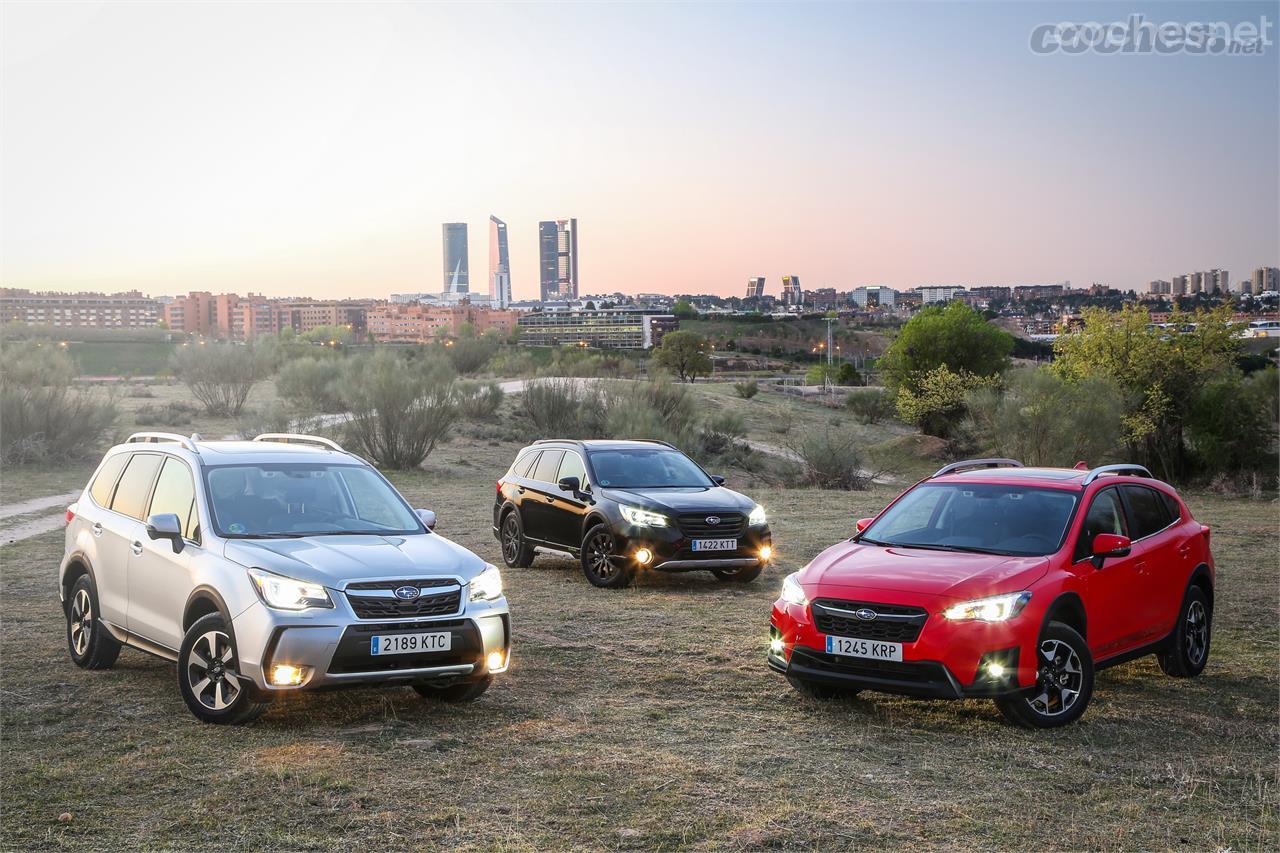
(294, 149)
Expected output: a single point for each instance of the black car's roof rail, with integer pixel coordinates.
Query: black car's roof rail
(157, 437)
(298, 438)
(1117, 470)
(580, 441)
(976, 463)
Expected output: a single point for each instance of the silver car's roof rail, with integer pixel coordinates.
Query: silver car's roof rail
(297, 438)
(1117, 470)
(142, 437)
(976, 463)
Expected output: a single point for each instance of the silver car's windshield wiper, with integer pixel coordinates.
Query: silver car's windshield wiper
(263, 535)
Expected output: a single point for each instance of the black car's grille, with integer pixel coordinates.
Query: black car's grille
(352, 654)
(694, 525)
(382, 606)
(902, 625)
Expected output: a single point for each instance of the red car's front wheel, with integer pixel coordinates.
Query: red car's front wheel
(1064, 682)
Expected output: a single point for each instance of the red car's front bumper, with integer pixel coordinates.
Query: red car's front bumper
(947, 659)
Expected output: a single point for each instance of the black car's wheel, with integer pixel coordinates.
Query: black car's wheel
(1064, 682)
(601, 562)
(467, 691)
(88, 640)
(209, 676)
(818, 690)
(1188, 649)
(516, 552)
(743, 574)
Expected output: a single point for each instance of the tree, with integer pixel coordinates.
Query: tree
(684, 354)
(221, 376)
(956, 337)
(683, 310)
(936, 403)
(399, 409)
(328, 335)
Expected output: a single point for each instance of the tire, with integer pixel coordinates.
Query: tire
(745, 574)
(516, 552)
(209, 677)
(600, 561)
(467, 691)
(1064, 682)
(818, 690)
(1188, 649)
(89, 643)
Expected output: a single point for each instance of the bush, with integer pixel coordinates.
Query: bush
(554, 406)
(936, 403)
(311, 384)
(165, 414)
(139, 391)
(830, 459)
(870, 405)
(843, 373)
(221, 376)
(271, 418)
(746, 390)
(955, 337)
(479, 402)
(470, 354)
(399, 409)
(1232, 426)
(1041, 419)
(43, 416)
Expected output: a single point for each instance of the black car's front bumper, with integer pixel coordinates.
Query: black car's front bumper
(925, 679)
(672, 551)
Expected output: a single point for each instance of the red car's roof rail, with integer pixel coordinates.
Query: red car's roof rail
(976, 463)
(1131, 470)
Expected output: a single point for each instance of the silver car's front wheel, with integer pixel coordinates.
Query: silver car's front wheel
(209, 676)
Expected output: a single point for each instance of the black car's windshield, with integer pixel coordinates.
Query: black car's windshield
(302, 499)
(647, 468)
(1015, 520)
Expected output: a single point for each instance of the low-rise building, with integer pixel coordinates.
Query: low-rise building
(128, 310)
(604, 328)
(417, 323)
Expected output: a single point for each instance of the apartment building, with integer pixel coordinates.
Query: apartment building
(128, 310)
(604, 328)
(422, 323)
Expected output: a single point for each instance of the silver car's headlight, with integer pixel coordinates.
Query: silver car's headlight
(792, 592)
(642, 517)
(997, 608)
(487, 586)
(757, 516)
(284, 593)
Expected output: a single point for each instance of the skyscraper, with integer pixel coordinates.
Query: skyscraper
(499, 264)
(791, 294)
(558, 259)
(755, 287)
(455, 258)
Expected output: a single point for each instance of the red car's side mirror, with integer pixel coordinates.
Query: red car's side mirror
(863, 524)
(1110, 545)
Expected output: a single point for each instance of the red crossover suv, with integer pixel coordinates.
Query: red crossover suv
(991, 579)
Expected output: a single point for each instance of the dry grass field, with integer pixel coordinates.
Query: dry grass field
(644, 718)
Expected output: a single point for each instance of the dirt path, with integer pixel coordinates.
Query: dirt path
(37, 504)
(31, 518)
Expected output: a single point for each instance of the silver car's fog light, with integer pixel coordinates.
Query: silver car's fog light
(287, 675)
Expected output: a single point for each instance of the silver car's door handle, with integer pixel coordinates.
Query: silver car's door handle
(136, 547)
(97, 528)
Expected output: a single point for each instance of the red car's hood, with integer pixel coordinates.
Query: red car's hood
(948, 574)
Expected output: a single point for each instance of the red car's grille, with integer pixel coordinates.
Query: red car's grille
(892, 623)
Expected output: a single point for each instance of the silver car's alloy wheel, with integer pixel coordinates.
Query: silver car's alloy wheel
(600, 556)
(1059, 679)
(1197, 633)
(211, 671)
(81, 622)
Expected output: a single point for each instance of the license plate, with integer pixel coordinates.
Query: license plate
(874, 649)
(715, 544)
(403, 644)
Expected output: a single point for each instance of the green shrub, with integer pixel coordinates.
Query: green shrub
(43, 415)
(746, 390)
(554, 407)
(870, 405)
(830, 459)
(310, 384)
(469, 354)
(400, 409)
(1232, 426)
(271, 418)
(936, 402)
(955, 337)
(221, 376)
(174, 414)
(479, 402)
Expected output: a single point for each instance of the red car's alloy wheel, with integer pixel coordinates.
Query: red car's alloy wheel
(1059, 679)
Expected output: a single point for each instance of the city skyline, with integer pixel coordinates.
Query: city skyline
(907, 145)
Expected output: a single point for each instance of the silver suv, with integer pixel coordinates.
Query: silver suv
(281, 563)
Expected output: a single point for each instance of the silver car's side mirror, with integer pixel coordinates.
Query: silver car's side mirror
(165, 525)
(428, 518)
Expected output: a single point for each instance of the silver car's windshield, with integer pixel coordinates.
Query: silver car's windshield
(305, 499)
(993, 519)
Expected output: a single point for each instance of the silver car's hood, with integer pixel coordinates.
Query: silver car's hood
(335, 561)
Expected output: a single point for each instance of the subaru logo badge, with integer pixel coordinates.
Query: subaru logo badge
(865, 615)
(407, 593)
(713, 519)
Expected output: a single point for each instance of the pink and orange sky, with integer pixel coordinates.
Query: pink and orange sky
(295, 149)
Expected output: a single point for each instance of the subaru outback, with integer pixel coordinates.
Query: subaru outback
(282, 563)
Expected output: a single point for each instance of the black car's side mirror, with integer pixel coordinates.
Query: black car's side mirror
(717, 479)
(570, 484)
(165, 525)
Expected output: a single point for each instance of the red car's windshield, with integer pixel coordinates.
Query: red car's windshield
(1014, 520)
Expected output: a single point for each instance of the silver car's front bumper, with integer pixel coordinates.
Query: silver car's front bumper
(331, 645)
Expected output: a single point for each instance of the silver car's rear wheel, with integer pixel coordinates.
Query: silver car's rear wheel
(89, 643)
(80, 622)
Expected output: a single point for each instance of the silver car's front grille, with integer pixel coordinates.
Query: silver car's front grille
(405, 599)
